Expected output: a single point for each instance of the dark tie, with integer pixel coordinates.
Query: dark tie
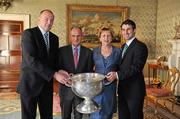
(46, 40)
(75, 56)
(124, 49)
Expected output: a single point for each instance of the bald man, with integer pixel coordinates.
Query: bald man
(38, 68)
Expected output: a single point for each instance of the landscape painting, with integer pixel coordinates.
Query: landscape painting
(92, 19)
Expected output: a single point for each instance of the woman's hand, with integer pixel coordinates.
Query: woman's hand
(111, 76)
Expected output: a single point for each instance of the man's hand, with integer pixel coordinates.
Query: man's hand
(62, 76)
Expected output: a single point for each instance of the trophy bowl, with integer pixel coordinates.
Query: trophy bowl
(87, 85)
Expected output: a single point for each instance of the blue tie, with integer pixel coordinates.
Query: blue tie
(124, 49)
(46, 40)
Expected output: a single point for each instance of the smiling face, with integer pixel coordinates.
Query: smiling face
(106, 37)
(75, 36)
(46, 20)
(127, 31)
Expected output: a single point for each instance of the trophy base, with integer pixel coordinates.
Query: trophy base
(87, 107)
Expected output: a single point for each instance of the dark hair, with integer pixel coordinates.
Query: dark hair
(106, 29)
(129, 22)
(46, 10)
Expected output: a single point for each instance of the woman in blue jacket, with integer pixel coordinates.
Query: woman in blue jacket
(106, 59)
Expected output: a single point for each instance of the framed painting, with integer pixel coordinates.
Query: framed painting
(93, 18)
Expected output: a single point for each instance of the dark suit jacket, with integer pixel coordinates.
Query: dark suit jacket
(38, 66)
(131, 78)
(66, 62)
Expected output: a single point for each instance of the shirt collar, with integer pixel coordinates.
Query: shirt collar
(42, 31)
(128, 42)
(78, 47)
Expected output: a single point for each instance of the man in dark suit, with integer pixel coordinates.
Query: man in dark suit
(131, 87)
(73, 59)
(38, 68)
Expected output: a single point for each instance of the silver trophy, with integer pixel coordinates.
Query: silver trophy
(87, 85)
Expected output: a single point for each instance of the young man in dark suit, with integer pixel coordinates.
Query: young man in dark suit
(38, 68)
(73, 59)
(131, 87)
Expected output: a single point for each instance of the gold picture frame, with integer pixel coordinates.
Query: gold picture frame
(92, 18)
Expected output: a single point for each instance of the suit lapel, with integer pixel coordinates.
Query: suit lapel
(41, 39)
(70, 56)
(129, 49)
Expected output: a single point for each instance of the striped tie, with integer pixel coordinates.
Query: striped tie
(124, 49)
(46, 39)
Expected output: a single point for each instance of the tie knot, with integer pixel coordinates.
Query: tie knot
(125, 45)
(76, 49)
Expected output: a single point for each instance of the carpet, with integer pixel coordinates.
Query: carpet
(10, 109)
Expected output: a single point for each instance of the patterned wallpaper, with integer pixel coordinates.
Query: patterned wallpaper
(167, 10)
(143, 12)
